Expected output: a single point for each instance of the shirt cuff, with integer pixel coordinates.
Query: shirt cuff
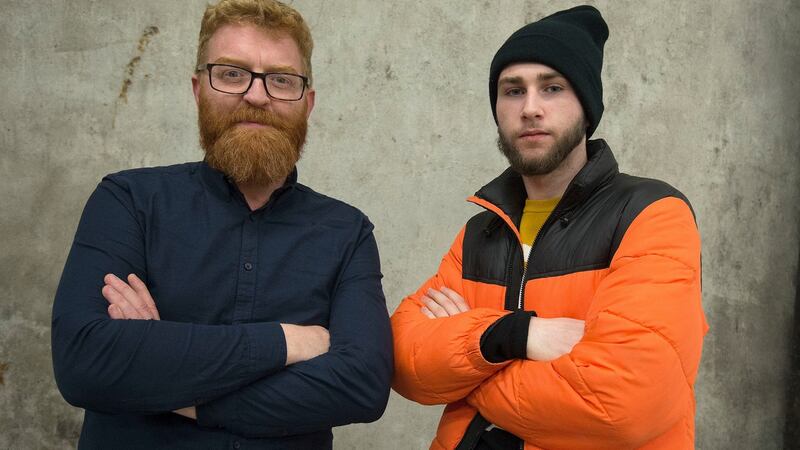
(212, 415)
(267, 346)
(507, 338)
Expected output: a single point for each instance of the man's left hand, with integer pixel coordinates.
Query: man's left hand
(131, 300)
(443, 303)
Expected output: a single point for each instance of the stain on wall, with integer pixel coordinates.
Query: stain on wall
(130, 68)
(3, 368)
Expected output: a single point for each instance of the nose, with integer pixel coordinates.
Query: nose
(257, 94)
(532, 108)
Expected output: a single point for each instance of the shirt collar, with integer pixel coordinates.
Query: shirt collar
(223, 187)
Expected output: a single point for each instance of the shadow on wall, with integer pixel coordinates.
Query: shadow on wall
(791, 434)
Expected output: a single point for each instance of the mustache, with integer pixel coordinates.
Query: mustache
(247, 113)
(533, 125)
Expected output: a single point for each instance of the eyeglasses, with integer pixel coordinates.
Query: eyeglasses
(236, 80)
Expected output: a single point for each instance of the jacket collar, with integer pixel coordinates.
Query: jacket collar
(507, 191)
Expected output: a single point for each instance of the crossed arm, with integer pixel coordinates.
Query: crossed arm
(243, 377)
(627, 378)
(447, 371)
(132, 301)
(547, 339)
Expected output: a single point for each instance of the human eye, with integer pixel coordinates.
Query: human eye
(553, 88)
(514, 92)
(283, 80)
(231, 74)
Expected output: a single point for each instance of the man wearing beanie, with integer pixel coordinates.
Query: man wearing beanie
(567, 314)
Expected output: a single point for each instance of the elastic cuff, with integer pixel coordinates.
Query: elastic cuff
(507, 338)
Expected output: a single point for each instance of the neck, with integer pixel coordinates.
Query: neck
(257, 195)
(554, 184)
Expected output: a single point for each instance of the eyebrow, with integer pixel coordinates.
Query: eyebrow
(541, 77)
(240, 63)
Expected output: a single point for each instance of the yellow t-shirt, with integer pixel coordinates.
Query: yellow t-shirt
(534, 215)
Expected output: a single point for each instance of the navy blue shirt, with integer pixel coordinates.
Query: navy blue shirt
(223, 279)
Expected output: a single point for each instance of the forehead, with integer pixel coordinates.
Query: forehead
(529, 71)
(254, 47)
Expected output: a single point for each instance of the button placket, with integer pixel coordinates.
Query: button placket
(246, 286)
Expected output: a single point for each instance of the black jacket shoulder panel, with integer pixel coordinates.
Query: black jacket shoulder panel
(486, 249)
(583, 233)
(586, 237)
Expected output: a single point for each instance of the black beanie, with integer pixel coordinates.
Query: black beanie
(570, 42)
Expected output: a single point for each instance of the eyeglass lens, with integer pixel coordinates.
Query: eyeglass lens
(235, 80)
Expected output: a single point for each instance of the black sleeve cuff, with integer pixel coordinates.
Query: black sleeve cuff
(507, 338)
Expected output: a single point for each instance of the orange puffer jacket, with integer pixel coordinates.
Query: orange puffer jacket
(621, 253)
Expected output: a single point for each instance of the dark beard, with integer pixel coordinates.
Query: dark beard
(246, 155)
(557, 153)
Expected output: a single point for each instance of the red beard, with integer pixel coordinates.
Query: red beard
(261, 156)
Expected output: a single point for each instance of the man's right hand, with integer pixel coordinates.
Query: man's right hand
(549, 339)
(304, 342)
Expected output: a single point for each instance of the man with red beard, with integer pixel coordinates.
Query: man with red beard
(221, 304)
(566, 315)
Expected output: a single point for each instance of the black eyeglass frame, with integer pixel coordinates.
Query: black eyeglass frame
(253, 76)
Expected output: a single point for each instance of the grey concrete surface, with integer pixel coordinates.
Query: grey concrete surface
(700, 94)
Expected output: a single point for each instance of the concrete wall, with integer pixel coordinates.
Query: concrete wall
(700, 94)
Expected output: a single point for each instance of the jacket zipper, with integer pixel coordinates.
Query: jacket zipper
(524, 273)
(527, 260)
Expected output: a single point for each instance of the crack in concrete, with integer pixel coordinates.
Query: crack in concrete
(3, 367)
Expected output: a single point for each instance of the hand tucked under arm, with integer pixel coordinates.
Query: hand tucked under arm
(189, 412)
(549, 339)
(304, 342)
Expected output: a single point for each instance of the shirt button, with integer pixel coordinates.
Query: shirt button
(248, 266)
(236, 444)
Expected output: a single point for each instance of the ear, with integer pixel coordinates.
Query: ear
(196, 88)
(310, 96)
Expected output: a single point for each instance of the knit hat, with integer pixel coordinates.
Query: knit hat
(570, 42)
